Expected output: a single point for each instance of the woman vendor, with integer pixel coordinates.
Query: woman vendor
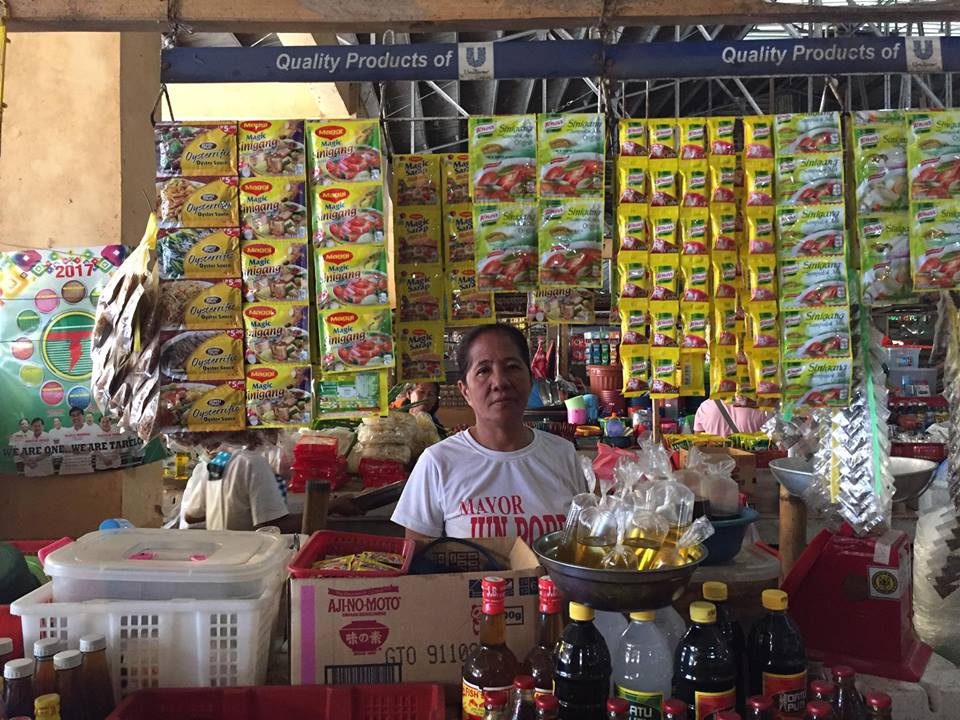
(498, 478)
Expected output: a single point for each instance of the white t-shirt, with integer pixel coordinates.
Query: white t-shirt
(246, 496)
(17, 442)
(56, 440)
(109, 457)
(37, 456)
(75, 459)
(459, 488)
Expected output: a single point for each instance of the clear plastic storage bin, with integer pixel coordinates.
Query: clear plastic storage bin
(143, 564)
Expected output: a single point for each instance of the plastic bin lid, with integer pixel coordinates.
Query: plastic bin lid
(144, 555)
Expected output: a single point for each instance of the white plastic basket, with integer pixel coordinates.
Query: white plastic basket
(168, 643)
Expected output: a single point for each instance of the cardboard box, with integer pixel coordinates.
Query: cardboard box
(414, 628)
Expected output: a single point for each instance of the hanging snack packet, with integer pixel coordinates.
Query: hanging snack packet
(811, 230)
(817, 383)
(810, 179)
(635, 360)
(416, 180)
(725, 323)
(696, 278)
(664, 189)
(745, 383)
(506, 246)
(276, 333)
(196, 253)
(664, 373)
(759, 182)
(884, 257)
(664, 225)
(723, 179)
(420, 291)
(272, 147)
(503, 158)
(199, 202)
(664, 271)
(694, 184)
(664, 321)
(352, 395)
(195, 149)
(279, 396)
(356, 339)
(762, 277)
(465, 304)
(807, 133)
(215, 405)
(720, 132)
(765, 366)
(349, 214)
(273, 208)
(935, 245)
(724, 275)
(813, 281)
(761, 232)
(455, 178)
(458, 234)
(200, 304)
(692, 374)
(880, 159)
(933, 155)
(275, 270)
(723, 373)
(693, 138)
(634, 321)
(633, 228)
(341, 151)
(570, 240)
(662, 138)
(764, 328)
(633, 138)
(565, 306)
(418, 234)
(723, 227)
(570, 155)
(352, 276)
(201, 355)
(633, 268)
(420, 352)
(878, 117)
(816, 333)
(695, 231)
(758, 137)
(632, 179)
(695, 318)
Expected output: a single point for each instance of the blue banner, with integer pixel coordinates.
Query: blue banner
(559, 59)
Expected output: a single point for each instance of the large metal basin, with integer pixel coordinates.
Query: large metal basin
(620, 590)
(911, 476)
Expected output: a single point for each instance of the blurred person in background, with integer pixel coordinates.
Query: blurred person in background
(743, 414)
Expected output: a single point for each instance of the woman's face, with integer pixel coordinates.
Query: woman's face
(497, 382)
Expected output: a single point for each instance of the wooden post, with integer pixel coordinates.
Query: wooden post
(315, 507)
(793, 530)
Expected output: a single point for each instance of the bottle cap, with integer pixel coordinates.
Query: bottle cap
(643, 615)
(676, 708)
(878, 701)
(493, 590)
(495, 699)
(6, 646)
(92, 643)
(551, 601)
(47, 704)
(842, 672)
(703, 612)
(759, 702)
(728, 715)
(581, 612)
(822, 687)
(547, 702)
(774, 599)
(618, 706)
(48, 647)
(819, 709)
(524, 682)
(67, 659)
(715, 591)
(19, 668)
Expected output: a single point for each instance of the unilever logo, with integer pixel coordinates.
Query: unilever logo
(476, 56)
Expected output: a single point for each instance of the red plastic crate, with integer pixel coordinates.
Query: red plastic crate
(329, 542)
(10, 624)
(403, 701)
(924, 451)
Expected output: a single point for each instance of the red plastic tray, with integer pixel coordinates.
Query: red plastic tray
(404, 701)
(10, 624)
(329, 542)
(924, 451)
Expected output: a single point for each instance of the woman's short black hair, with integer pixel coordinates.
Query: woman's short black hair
(507, 331)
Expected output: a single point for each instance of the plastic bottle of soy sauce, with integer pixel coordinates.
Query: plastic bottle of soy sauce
(704, 671)
(777, 659)
(581, 671)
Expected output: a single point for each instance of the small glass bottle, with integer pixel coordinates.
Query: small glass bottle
(521, 700)
(18, 687)
(548, 707)
(47, 707)
(95, 677)
(879, 706)
(759, 708)
(819, 710)
(44, 674)
(6, 650)
(823, 690)
(69, 685)
(492, 665)
(617, 709)
(539, 662)
(495, 704)
(848, 705)
(675, 709)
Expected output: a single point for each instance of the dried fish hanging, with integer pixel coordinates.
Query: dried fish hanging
(853, 460)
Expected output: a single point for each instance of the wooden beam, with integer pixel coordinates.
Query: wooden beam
(432, 15)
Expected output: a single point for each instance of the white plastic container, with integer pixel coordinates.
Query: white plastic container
(144, 564)
(169, 643)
